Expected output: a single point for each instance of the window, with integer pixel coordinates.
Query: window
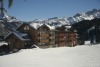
(26, 28)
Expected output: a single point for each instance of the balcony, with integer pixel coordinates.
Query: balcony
(52, 37)
(61, 35)
(44, 41)
(44, 35)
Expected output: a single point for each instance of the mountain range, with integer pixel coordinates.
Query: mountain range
(9, 23)
(56, 21)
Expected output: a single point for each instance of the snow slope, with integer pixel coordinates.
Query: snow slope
(79, 56)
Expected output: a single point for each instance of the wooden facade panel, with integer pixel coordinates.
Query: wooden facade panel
(62, 44)
(34, 35)
(44, 41)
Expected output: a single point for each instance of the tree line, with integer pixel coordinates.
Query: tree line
(88, 30)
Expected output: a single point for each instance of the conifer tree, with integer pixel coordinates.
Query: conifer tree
(10, 2)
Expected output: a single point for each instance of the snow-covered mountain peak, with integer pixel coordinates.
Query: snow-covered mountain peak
(4, 16)
(7, 23)
(56, 21)
(85, 16)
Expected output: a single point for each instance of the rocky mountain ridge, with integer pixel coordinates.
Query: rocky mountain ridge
(56, 21)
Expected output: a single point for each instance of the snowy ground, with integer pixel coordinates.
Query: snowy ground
(79, 56)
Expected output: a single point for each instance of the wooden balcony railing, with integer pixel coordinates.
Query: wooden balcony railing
(44, 35)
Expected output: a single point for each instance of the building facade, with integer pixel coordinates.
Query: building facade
(65, 37)
(45, 36)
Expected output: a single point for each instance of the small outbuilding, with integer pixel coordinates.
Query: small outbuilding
(18, 40)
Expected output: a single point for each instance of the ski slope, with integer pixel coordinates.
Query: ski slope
(79, 56)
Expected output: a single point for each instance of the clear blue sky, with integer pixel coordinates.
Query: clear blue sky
(43, 9)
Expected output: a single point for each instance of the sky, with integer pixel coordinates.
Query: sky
(42, 9)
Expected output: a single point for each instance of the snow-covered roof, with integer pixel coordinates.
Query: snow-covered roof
(65, 26)
(3, 43)
(37, 25)
(21, 36)
(68, 26)
(50, 27)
